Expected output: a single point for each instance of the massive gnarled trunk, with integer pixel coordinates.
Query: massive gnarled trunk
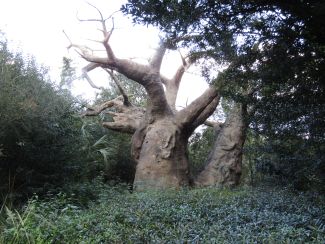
(162, 160)
(223, 167)
(160, 147)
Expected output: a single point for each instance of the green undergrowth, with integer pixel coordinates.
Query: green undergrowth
(245, 215)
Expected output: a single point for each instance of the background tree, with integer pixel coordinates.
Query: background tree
(68, 73)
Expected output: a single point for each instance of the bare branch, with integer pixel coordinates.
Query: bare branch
(183, 59)
(206, 113)
(84, 49)
(70, 45)
(120, 126)
(132, 70)
(180, 71)
(111, 31)
(100, 14)
(85, 75)
(126, 101)
(188, 115)
(107, 36)
(96, 110)
(91, 83)
(127, 121)
(88, 20)
(146, 75)
(164, 80)
(103, 62)
(213, 124)
(92, 40)
(186, 63)
(172, 85)
(156, 60)
(125, 118)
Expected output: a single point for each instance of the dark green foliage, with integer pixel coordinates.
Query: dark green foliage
(68, 73)
(200, 146)
(274, 48)
(294, 161)
(39, 132)
(107, 152)
(262, 215)
(44, 143)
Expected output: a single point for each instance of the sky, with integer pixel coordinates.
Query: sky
(36, 28)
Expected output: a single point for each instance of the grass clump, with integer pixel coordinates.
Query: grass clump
(259, 215)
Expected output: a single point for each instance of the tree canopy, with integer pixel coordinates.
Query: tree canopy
(274, 48)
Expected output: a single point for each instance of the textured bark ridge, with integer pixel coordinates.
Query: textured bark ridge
(162, 161)
(160, 146)
(224, 163)
(126, 117)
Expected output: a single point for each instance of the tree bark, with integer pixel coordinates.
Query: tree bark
(224, 164)
(161, 159)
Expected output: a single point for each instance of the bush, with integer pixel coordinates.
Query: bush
(261, 215)
(40, 137)
(292, 160)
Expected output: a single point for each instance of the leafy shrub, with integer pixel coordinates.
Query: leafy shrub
(40, 137)
(292, 160)
(262, 215)
(106, 153)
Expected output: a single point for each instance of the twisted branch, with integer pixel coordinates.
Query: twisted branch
(126, 100)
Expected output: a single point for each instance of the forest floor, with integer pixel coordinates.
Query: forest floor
(98, 213)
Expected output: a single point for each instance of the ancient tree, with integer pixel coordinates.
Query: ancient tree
(160, 132)
(224, 164)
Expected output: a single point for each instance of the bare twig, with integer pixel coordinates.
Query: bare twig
(183, 59)
(126, 101)
(157, 58)
(85, 75)
(70, 45)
